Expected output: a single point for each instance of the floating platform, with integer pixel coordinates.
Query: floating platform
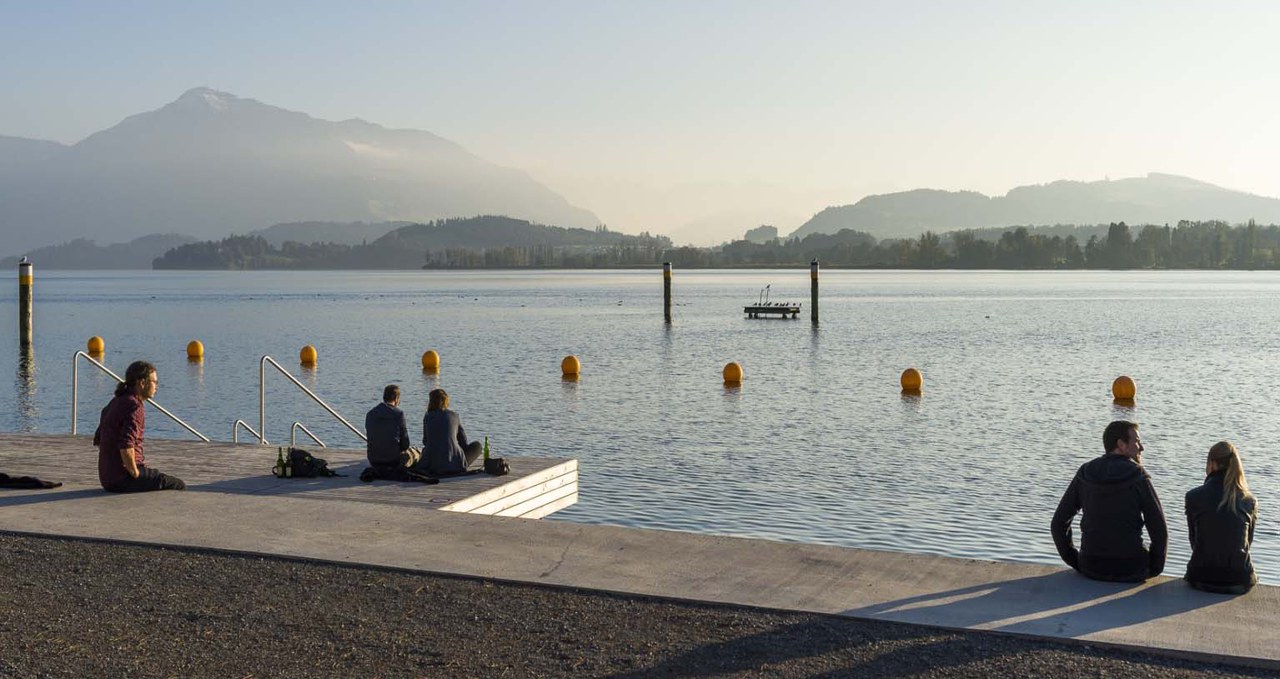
(782, 310)
(536, 486)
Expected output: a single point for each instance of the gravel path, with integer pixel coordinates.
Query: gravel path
(72, 608)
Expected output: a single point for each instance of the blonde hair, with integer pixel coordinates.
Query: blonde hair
(1234, 485)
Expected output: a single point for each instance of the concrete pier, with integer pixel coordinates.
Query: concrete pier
(350, 524)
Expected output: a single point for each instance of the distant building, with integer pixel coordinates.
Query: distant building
(762, 234)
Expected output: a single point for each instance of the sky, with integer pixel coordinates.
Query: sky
(702, 118)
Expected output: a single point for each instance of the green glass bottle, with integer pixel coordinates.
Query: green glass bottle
(486, 448)
(278, 470)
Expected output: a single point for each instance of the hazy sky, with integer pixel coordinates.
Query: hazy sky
(721, 115)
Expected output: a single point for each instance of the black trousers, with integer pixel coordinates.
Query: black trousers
(149, 479)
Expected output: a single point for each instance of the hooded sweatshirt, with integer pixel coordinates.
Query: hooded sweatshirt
(1117, 498)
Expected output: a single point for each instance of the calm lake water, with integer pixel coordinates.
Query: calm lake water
(816, 446)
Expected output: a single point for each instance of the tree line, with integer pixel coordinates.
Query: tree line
(1188, 245)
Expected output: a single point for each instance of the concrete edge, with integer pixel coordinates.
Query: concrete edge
(1180, 654)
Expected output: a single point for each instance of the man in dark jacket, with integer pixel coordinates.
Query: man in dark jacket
(1117, 498)
(388, 434)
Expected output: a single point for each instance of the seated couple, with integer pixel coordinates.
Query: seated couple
(1118, 500)
(445, 450)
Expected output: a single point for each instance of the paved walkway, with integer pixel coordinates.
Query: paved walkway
(1038, 601)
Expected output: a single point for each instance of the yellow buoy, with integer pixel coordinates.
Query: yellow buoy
(195, 349)
(96, 345)
(570, 366)
(1123, 389)
(431, 360)
(912, 381)
(308, 355)
(732, 372)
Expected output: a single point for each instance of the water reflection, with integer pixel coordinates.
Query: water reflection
(27, 407)
(195, 372)
(1123, 409)
(911, 402)
(430, 380)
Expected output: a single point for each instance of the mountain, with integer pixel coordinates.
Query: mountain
(83, 253)
(344, 233)
(1154, 199)
(475, 242)
(211, 163)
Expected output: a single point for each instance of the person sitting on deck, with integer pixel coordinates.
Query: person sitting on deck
(1117, 498)
(445, 450)
(1221, 516)
(121, 466)
(388, 434)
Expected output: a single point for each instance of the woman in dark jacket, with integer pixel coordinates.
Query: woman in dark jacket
(445, 449)
(1221, 515)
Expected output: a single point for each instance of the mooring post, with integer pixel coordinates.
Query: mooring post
(25, 279)
(666, 291)
(813, 291)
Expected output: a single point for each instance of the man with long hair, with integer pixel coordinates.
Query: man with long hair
(1115, 493)
(121, 465)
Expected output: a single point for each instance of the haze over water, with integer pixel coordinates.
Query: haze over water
(816, 446)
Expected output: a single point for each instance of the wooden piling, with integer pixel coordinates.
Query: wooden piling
(26, 278)
(666, 291)
(813, 291)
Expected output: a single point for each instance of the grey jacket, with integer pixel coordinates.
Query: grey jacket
(388, 435)
(443, 443)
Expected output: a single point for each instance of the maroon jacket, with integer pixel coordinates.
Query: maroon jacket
(121, 426)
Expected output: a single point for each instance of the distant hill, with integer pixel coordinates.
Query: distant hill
(83, 253)
(211, 163)
(345, 233)
(476, 242)
(1154, 199)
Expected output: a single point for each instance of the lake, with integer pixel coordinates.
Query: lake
(817, 445)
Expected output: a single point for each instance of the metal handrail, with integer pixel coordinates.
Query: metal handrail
(293, 431)
(75, 392)
(262, 399)
(235, 431)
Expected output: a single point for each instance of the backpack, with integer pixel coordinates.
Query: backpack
(305, 466)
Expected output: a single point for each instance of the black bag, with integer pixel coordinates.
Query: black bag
(307, 467)
(496, 466)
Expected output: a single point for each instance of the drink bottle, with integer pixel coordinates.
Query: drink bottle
(278, 470)
(486, 448)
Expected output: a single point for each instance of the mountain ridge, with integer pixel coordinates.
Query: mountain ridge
(211, 163)
(1157, 198)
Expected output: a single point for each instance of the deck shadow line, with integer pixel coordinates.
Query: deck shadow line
(266, 484)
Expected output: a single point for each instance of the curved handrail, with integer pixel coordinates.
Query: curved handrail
(262, 399)
(75, 390)
(235, 431)
(293, 431)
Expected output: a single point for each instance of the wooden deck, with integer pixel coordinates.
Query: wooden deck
(535, 487)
